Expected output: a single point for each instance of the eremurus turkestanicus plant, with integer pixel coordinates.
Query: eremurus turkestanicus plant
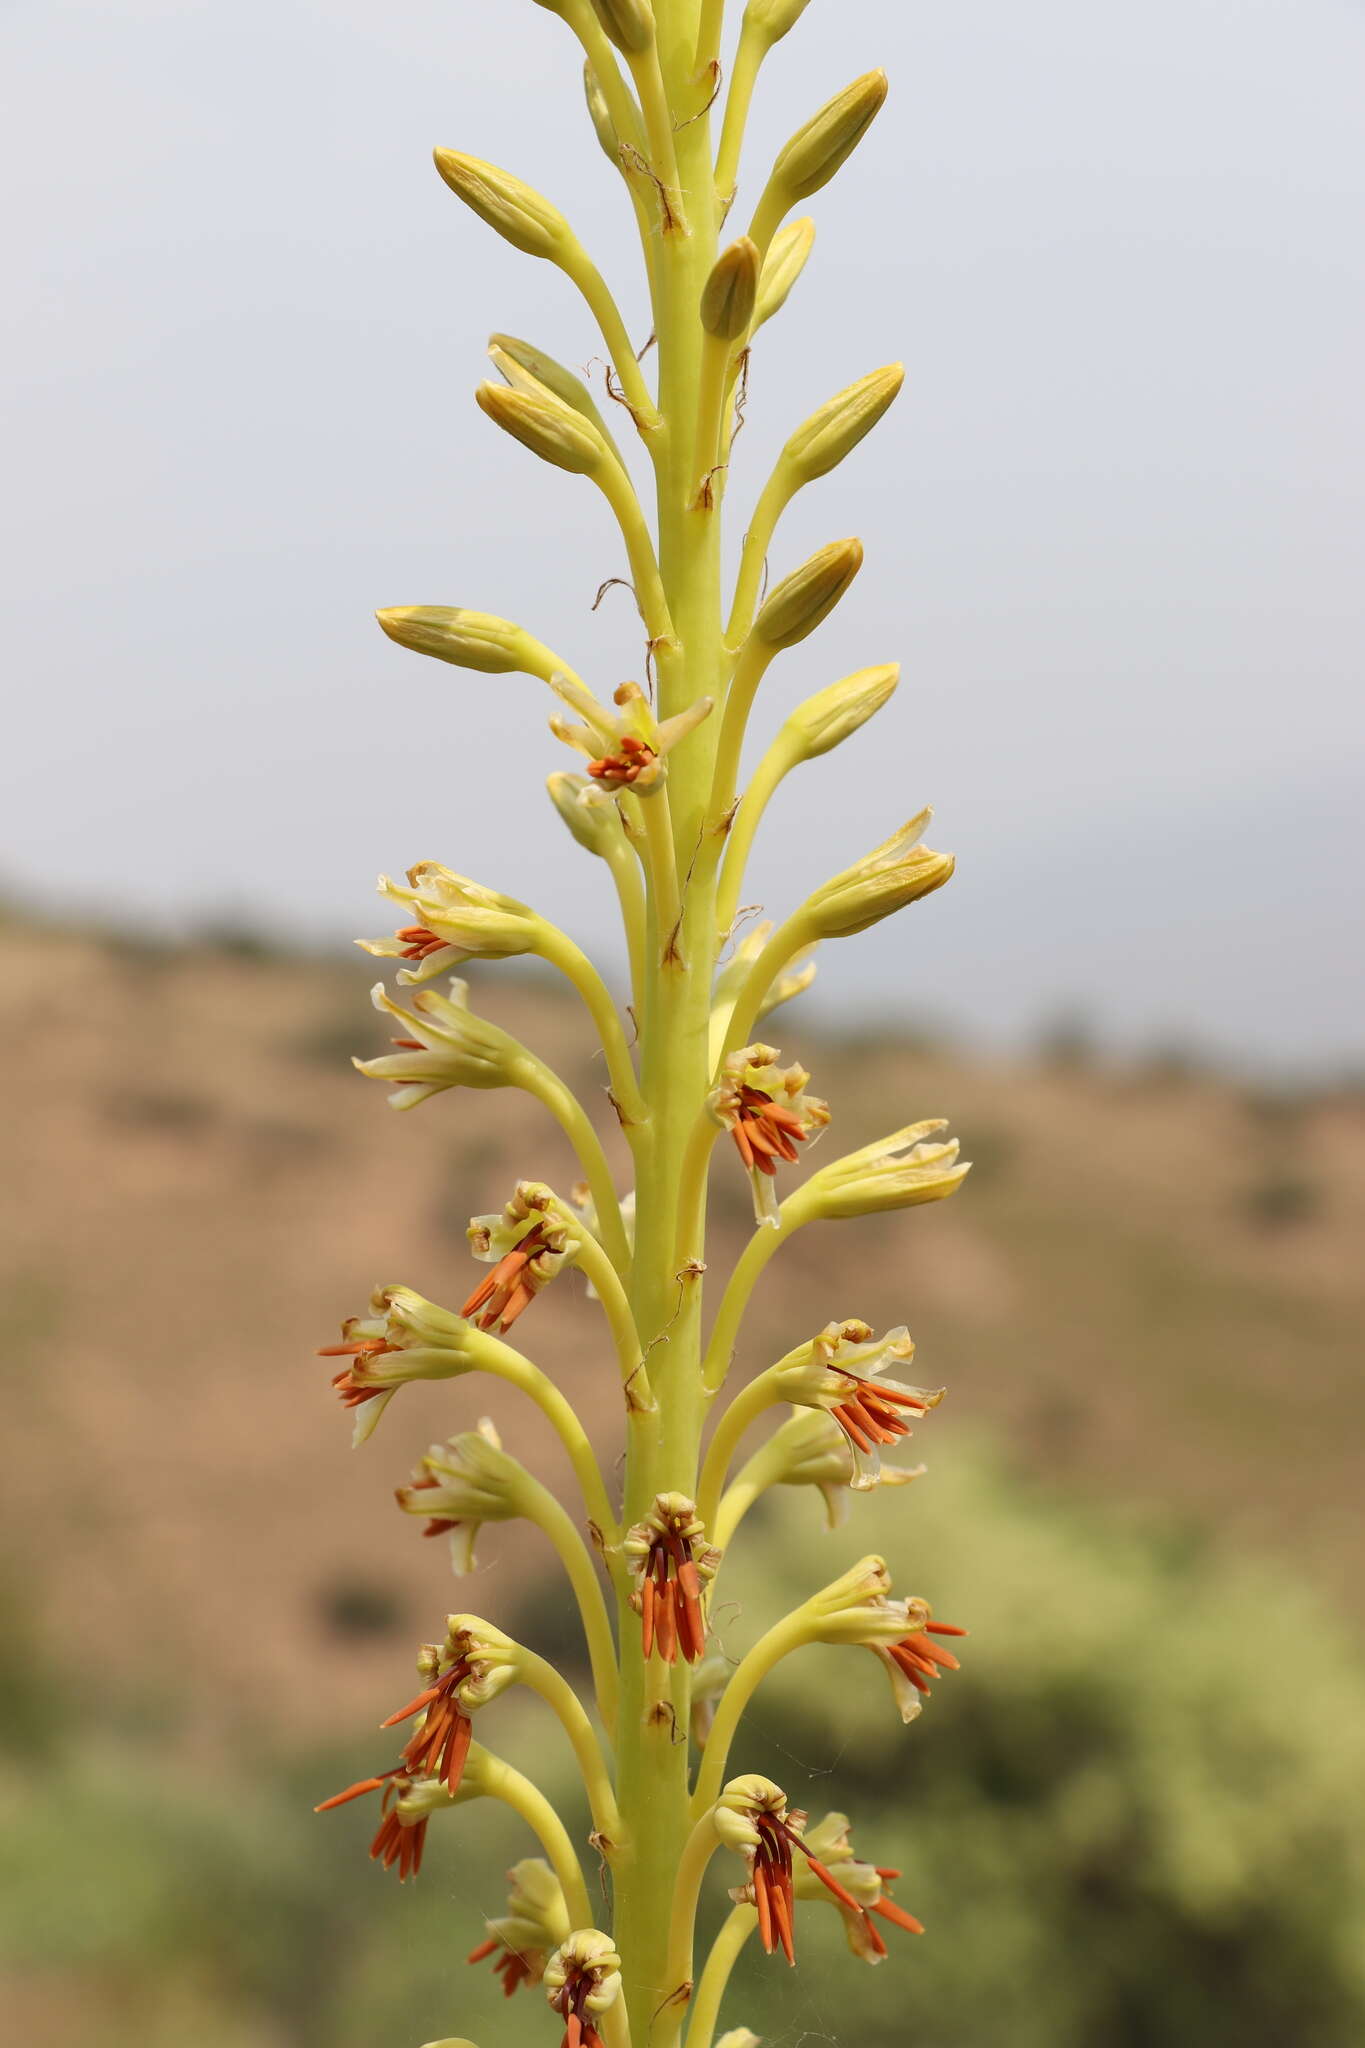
(661, 800)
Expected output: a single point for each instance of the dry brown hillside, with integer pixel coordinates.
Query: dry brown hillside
(197, 1188)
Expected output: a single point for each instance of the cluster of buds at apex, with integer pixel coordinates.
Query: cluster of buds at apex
(767, 1112)
(443, 1045)
(451, 919)
(583, 1979)
(843, 1371)
(625, 752)
(913, 1165)
(404, 1337)
(526, 1244)
(752, 1817)
(534, 1925)
(670, 1556)
(812, 1450)
(898, 872)
(857, 1608)
(461, 1484)
(474, 1664)
(865, 1883)
(405, 1807)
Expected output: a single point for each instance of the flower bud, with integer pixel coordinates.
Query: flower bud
(821, 442)
(900, 871)
(460, 1485)
(461, 2040)
(629, 24)
(474, 640)
(773, 18)
(783, 264)
(513, 356)
(588, 811)
(739, 2037)
(817, 150)
(727, 300)
(899, 1172)
(516, 211)
(600, 115)
(833, 713)
(545, 425)
(804, 599)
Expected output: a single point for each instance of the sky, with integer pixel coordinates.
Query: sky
(1114, 524)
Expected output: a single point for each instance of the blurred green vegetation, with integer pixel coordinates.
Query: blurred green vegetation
(1130, 1820)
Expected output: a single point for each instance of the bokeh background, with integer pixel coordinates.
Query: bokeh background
(1114, 528)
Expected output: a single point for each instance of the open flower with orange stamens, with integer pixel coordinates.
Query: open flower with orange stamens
(583, 1979)
(915, 1659)
(461, 1484)
(752, 1817)
(842, 1371)
(474, 1664)
(450, 919)
(673, 1562)
(442, 1043)
(408, 1800)
(527, 1244)
(864, 1883)
(404, 1337)
(626, 752)
(768, 1114)
(857, 1608)
(535, 1924)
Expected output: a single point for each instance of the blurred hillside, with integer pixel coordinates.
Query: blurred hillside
(1148, 1298)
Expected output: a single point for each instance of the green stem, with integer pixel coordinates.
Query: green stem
(547, 1514)
(576, 263)
(784, 1637)
(700, 1847)
(749, 55)
(561, 952)
(735, 1299)
(786, 942)
(504, 1363)
(568, 1112)
(725, 1953)
(498, 1780)
(560, 1696)
(779, 760)
(742, 1412)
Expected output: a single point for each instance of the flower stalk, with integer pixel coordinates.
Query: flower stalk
(659, 798)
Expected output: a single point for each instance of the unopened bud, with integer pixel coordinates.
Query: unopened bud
(545, 425)
(727, 300)
(629, 24)
(600, 115)
(587, 810)
(783, 264)
(516, 211)
(900, 871)
(822, 441)
(808, 596)
(817, 150)
(773, 18)
(468, 639)
(519, 360)
(833, 713)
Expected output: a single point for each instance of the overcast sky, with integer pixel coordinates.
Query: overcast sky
(1115, 524)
